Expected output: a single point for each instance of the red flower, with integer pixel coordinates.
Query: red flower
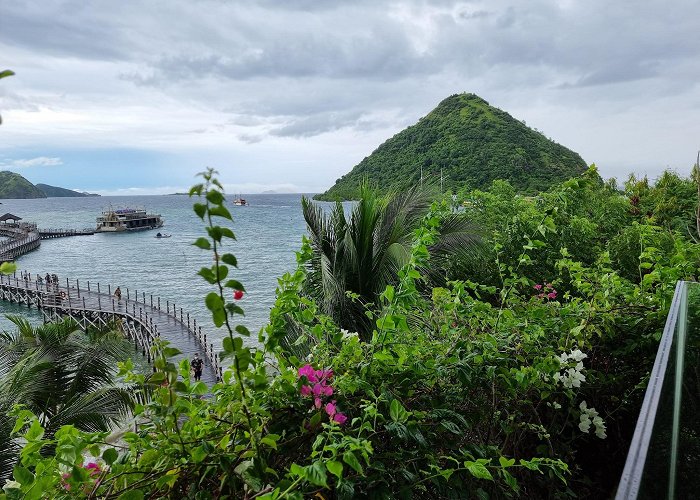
(237, 294)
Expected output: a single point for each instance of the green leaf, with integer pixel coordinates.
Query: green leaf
(242, 330)
(350, 459)
(236, 285)
(196, 190)
(335, 468)
(200, 209)
(220, 211)
(397, 412)
(269, 442)
(297, 470)
(22, 475)
(215, 197)
(316, 474)
(110, 455)
(216, 306)
(478, 470)
(202, 243)
(506, 462)
(6, 73)
(198, 454)
(230, 259)
(228, 345)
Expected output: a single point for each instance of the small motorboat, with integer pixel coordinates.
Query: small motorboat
(161, 235)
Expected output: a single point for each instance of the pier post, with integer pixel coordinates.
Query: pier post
(88, 286)
(188, 321)
(127, 294)
(99, 301)
(67, 284)
(181, 316)
(159, 303)
(194, 323)
(136, 295)
(200, 334)
(98, 286)
(109, 289)
(151, 300)
(143, 297)
(167, 306)
(84, 303)
(77, 285)
(113, 307)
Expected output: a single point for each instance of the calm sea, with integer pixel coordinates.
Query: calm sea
(268, 233)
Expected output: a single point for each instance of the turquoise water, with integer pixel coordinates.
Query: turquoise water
(268, 233)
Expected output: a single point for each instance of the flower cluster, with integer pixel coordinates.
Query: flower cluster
(319, 386)
(590, 416)
(571, 376)
(545, 290)
(92, 468)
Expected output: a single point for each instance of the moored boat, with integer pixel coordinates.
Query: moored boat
(127, 219)
(240, 202)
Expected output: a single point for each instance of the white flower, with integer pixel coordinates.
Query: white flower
(585, 425)
(556, 405)
(577, 355)
(11, 485)
(563, 358)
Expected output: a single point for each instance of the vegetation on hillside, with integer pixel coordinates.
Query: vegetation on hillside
(59, 192)
(521, 376)
(468, 143)
(14, 186)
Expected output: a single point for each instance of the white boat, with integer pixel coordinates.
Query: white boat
(127, 219)
(240, 202)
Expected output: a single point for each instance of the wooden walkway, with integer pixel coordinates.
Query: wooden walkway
(27, 237)
(142, 318)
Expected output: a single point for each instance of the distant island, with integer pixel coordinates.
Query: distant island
(59, 192)
(467, 143)
(14, 186)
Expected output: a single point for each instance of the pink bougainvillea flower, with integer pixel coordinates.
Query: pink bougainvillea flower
(305, 390)
(326, 374)
(317, 390)
(238, 294)
(317, 402)
(548, 285)
(537, 287)
(93, 468)
(331, 409)
(327, 390)
(308, 372)
(552, 295)
(340, 418)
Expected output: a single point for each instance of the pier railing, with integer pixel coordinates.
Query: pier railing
(83, 300)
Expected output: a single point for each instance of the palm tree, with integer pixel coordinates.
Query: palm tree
(64, 376)
(362, 254)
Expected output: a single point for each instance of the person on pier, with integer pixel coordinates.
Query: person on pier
(197, 365)
(118, 295)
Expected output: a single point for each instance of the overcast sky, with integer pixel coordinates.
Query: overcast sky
(121, 97)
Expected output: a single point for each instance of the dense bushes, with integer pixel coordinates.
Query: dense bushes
(513, 379)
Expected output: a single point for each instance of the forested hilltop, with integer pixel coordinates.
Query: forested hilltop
(473, 144)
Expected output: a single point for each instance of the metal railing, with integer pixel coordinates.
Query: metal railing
(664, 457)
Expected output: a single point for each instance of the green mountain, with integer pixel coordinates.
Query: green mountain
(13, 185)
(470, 144)
(59, 192)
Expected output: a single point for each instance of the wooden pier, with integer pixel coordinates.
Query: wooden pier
(141, 317)
(27, 237)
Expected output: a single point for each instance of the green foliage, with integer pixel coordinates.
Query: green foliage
(466, 142)
(63, 376)
(512, 384)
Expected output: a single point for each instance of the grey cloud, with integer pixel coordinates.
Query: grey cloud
(317, 124)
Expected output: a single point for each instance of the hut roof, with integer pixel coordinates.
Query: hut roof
(9, 216)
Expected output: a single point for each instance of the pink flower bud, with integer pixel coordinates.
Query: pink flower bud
(330, 409)
(340, 418)
(537, 287)
(305, 390)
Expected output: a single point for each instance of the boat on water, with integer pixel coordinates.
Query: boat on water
(161, 235)
(240, 202)
(127, 219)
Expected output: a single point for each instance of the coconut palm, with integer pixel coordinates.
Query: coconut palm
(363, 253)
(63, 375)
